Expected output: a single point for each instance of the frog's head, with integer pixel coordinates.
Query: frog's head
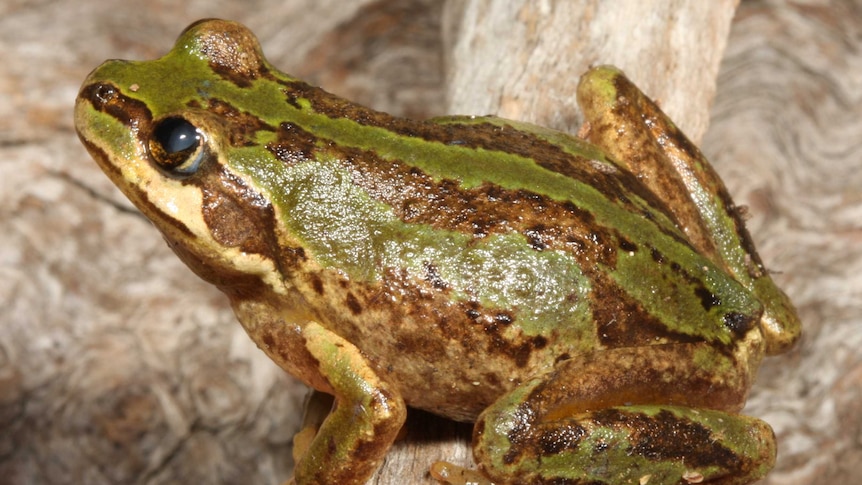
(171, 134)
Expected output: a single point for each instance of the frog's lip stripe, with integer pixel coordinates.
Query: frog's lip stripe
(127, 117)
(139, 196)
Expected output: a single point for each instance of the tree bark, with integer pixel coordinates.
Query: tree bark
(522, 59)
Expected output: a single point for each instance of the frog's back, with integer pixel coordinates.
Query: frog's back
(470, 254)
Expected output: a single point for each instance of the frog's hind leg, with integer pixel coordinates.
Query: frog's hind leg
(625, 445)
(568, 426)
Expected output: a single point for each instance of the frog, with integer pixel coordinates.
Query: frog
(592, 302)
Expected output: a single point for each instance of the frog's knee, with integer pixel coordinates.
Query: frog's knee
(504, 439)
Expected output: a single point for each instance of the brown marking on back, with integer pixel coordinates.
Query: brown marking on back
(483, 210)
(293, 144)
(316, 283)
(353, 304)
(108, 99)
(622, 321)
(488, 209)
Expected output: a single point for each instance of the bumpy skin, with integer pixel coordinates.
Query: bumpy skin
(600, 304)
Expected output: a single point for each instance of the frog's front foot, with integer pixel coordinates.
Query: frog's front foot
(365, 419)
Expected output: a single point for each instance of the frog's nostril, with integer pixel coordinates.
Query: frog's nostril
(105, 93)
(99, 94)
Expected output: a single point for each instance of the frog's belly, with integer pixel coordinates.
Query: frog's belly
(454, 357)
(452, 379)
(441, 356)
(451, 365)
(460, 379)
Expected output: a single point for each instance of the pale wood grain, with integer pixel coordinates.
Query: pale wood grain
(522, 59)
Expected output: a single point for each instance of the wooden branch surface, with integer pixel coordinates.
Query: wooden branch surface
(522, 59)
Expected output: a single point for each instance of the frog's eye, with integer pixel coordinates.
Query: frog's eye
(177, 146)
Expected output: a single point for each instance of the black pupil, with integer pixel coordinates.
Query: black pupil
(176, 135)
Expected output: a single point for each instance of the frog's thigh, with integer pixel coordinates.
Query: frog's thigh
(353, 440)
(575, 424)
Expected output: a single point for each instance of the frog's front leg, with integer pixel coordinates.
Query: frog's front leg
(365, 419)
(643, 419)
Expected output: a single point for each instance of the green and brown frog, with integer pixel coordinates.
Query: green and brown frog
(594, 304)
